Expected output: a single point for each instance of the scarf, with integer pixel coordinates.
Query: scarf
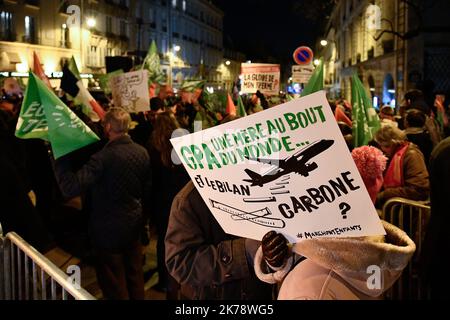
(394, 174)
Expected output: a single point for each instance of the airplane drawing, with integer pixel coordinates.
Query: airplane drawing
(296, 163)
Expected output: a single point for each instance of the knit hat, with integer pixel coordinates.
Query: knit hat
(371, 164)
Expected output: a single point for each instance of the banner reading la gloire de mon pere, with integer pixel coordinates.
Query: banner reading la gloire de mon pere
(260, 76)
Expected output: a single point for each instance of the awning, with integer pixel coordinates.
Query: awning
(13, 57)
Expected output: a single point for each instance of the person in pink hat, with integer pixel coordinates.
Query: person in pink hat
(337, 268)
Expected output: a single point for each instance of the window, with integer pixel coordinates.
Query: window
(108, 24)
(6, 26)
(184, 5)
(65, 36)
(151, 15)
(123, 28)
(175, 25)
(30, 30)
(109, 52)
(164, 23)
(174, 3)
(92, 56)
(164, 45)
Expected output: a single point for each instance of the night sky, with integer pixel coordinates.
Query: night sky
(267, 30)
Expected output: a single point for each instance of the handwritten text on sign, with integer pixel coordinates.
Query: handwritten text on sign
(262, 77)
(277, 170)
(130, 91)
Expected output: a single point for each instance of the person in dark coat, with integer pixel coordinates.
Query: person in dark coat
(437, 240)
(17, 210)
(170, 179)
(207, 262)
(416, 133)
(118, 177)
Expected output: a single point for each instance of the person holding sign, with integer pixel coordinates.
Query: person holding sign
(339, 268)
(207, 262)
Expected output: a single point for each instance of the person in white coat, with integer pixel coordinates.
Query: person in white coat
(339, 268)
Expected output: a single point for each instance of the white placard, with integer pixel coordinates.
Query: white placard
(286, 169)
(130, 91)
(260, 76)
(302, 74)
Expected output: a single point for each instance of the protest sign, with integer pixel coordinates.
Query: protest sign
(286, 169)
(105, 80)
(262, 77)
(302, 74)
(130, 91)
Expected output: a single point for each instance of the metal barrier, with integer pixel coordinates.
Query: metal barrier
(412, 217)
(25, 274)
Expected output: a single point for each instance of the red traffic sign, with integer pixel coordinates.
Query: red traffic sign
(303, 55)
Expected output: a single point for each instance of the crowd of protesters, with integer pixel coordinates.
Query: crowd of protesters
(128, 181)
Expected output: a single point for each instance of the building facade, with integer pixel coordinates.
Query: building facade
(392, 45)
(188, 34)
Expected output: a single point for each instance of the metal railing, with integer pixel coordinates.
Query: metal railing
(412, 217)
(25, 274)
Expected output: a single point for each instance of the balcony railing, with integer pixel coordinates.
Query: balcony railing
(8, 36)
(110, 34)
(30, 39)
(65, 44)
(34, 3)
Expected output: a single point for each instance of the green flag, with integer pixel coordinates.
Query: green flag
(203, 118)
(240, 108)
(315, 83)
(73, 68)
(364, 117)
(43, 115)
(152, 63)
(190, 85)
(105, 79)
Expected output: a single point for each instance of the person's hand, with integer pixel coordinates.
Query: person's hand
(275, 249)
(438, 103)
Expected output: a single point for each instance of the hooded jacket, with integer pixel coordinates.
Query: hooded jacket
(416, 184)
(347, 268)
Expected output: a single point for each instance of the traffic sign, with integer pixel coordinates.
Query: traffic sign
(303, 55)
(302, 74)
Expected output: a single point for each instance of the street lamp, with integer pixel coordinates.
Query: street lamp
(172, 55)
(316, 62)
(324, 43)
(90, 22)
(228, 62)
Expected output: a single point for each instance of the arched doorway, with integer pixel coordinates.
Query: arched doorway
(375, 99)
(389, 90)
